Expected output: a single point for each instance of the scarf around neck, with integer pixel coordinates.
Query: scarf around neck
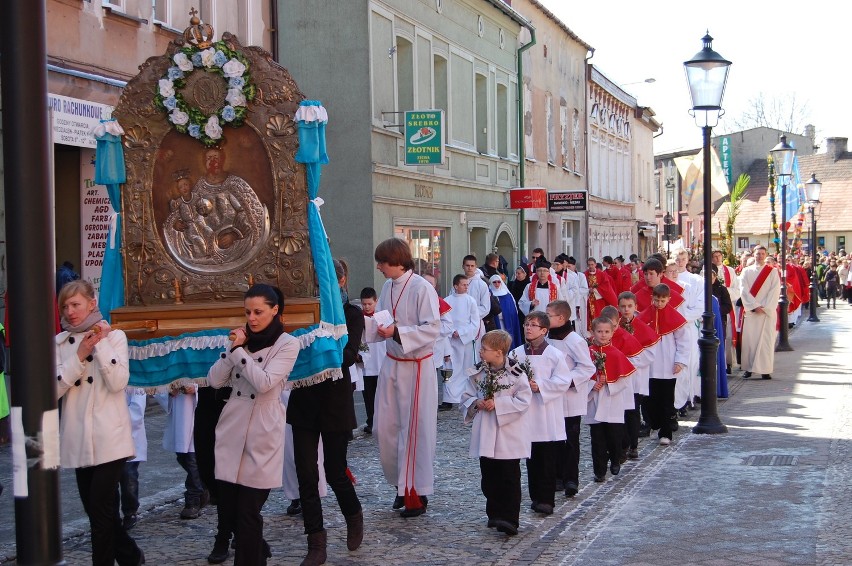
(534, 283)
(94, 317)
(256, 341)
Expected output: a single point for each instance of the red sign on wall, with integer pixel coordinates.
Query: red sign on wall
(528, 198)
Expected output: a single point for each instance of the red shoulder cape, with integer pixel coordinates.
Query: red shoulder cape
(644, 333)
(646, 293)
(626, 343)
(662, 321)
(617, 365)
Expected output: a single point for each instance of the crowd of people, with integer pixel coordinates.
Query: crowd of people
(527, 357)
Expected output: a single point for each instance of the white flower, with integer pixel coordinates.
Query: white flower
(167, 88)
(233, 68)
(208, 57)
(236, 97)
(182, 61)
(178, 117)
(212, 128)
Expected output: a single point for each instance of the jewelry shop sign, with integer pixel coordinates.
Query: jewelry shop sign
(424, 137)
(566, 201)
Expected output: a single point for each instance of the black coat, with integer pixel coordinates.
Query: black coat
(328, 406)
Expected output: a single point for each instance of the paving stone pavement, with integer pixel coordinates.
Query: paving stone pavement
(773, 490)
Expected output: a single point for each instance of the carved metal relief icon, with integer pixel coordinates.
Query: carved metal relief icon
(201, 220)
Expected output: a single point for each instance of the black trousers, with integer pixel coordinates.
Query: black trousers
(305, 447)
(541, 472)
(606, 445)
(568, 453)
(632, 421)
(243, 504)
(371, 382)
(661, 404)
(210, 404)
(98, 487)
(501, 486)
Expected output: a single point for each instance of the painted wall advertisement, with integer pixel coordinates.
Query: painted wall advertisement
(95, 216)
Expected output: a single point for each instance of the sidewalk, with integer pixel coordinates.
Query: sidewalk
(774, 490)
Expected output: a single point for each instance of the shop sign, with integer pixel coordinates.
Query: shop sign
(566, 201)
(528, 198)
(424, 137)
(72, 119)
(96, 213)
(725, 158)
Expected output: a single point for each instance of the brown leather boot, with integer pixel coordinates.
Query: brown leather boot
(316, 549)
(354, 530)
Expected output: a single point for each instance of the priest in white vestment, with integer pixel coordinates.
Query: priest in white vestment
(761, 287)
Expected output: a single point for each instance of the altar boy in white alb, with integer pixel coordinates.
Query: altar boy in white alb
(466, 322)
(406, 399)
(549, 382)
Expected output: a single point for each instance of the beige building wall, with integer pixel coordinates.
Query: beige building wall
(554, 128)
(644, 193)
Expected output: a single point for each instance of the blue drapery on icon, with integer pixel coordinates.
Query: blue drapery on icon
(110, 171)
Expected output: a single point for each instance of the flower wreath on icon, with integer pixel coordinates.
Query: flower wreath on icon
(217, 59)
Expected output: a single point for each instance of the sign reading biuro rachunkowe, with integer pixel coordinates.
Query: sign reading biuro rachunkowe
(424, 137)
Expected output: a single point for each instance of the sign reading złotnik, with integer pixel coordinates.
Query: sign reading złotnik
(424, 137)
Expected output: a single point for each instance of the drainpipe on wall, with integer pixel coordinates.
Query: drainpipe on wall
(273, 29)
(586, 151)
(521, 153)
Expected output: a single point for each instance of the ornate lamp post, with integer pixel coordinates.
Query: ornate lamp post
(707, 74)
(783, 156)
(668, 233)
(812, 189)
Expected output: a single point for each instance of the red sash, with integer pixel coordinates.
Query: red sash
(551, 287)
(761, 278)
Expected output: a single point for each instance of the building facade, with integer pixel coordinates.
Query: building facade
(369, 61)
(554, 126)
(620, 146)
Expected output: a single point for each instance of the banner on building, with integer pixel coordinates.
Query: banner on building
(73, 119)
(725, 158)
(95, 216)
(424, 137)
(528, 198)
(566, 201)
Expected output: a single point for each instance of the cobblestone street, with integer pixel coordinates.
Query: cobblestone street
(771, 491)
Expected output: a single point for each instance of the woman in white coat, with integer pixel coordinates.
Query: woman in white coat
(250, 433)
(95, 438)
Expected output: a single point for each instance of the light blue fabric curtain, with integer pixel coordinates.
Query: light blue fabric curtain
(110, 171)
(325, 352)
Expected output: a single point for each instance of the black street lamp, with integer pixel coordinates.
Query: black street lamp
(668, 233)
(707, 74)
(812, 189)
(783, 157)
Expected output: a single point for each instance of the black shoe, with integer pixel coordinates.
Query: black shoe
(696, 401)
(445, 407)
(295, 507)
(417, 511)
(533, 504)
(492, 523)
(766, 376)
(728, 370)
(571, 489)
(220, 552)
(682, 413)
(674, 425)
(543, 508)
(644, 430)
(633, 454)
(600, 479)
(368, 429)
(506, 527)
(398, 502)
(190, 511)
(130, 521)
(205, 498)
(746, 375)
(614, 469)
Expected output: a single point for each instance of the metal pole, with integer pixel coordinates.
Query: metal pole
(29, 226)
(783, 301)
(814, 289)
(708, 345)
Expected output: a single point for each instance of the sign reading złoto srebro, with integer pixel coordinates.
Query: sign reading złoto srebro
(424, 137)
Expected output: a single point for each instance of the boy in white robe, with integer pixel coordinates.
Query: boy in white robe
(406, 416)
(371, 358)
(496, 398)
(466, 321)
(607, 399)
(574, 403)
(692, 307)
(179, 404)
(549, 382)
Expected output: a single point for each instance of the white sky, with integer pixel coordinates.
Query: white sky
(637, 40)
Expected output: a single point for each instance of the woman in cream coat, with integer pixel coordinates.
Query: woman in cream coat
(250, 433)
(95, 431)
